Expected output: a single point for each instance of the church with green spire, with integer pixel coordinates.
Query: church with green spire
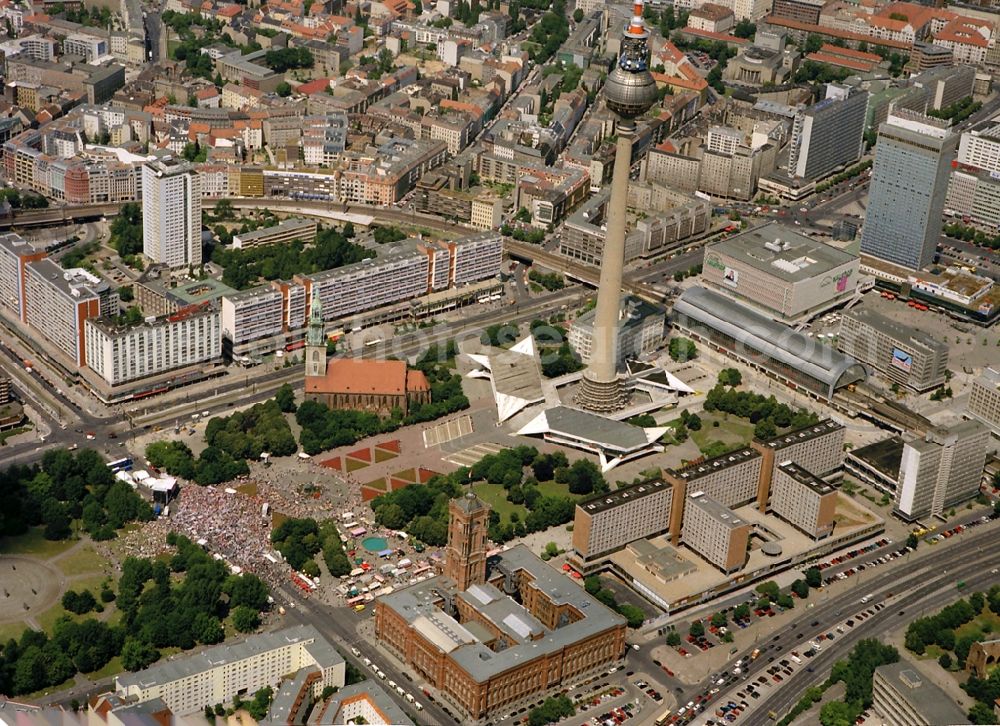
(382, 387)
(316, 339)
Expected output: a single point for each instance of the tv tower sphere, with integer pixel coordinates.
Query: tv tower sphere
(629, 89)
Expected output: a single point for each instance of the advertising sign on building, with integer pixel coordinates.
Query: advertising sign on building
(902, 360)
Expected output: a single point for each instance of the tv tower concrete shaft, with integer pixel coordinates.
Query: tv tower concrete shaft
(602, 388)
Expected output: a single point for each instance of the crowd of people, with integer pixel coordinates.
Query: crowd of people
(231, 518)
(233, 525)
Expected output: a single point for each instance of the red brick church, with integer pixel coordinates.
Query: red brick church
(378, 386)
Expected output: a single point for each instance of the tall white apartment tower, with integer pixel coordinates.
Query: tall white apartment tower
(909, 182)
(941, 470)
(171, 212)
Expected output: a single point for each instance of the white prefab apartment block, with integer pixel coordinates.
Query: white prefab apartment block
(252, 314)
(403, 274)
(120, 353)
(217, 674)
(984, 399)
(609, 522)
(715, 532)
(171, 212)
(58, 301)
(803, 499)
(941, 470)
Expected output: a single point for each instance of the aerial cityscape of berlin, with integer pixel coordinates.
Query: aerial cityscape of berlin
(499, 362)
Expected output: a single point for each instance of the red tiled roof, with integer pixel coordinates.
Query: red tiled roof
(962, 31)
(834, 32)
(380, 377)
(834, 60)
(699, 84)
(314, 86)
(850, 53)
(711, 11)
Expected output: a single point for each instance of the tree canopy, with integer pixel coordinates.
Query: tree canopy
(158, 611)
(246, 267)
(67, 486)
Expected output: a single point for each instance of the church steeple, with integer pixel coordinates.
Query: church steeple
(316, 339)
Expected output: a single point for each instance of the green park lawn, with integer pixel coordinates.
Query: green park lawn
(12, 630)
(732, 430)
(406, 475)
(975, 626)
(33, 542)
(555, 489)
(496, 496)
(84, 560)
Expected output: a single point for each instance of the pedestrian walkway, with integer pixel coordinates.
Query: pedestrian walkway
(468, 457)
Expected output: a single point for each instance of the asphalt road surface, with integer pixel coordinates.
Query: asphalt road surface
(921, 583)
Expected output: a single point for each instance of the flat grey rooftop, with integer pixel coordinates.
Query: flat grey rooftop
(596, 429)
(716, 510)
(630, 493)
(694, 472)
(516, 374)
(884, 456)
(796, 258)
(662, 560)
(324, 654)
(806, 478)
(806, 433)
(927, 699)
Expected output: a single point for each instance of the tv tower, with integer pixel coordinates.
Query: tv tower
(629, 92)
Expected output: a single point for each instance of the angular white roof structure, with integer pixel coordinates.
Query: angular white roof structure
(613, 441)
(514, 374)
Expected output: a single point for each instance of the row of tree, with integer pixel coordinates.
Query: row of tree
(249, 433)
(26, 200)
(423, 510)
(631, 613)
(231, 441)
(957, 230)
(856, 672)
(387, 234)
(550, 32)
(939, 629)
(126, 230)
(65, 487)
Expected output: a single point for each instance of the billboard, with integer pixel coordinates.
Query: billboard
(902, 360)
(731, 276)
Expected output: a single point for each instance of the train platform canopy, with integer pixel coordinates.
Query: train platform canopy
(515, 376)
(750, 336)
(613, 441)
